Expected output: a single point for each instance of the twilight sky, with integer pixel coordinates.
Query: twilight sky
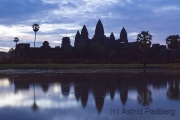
(63, 18)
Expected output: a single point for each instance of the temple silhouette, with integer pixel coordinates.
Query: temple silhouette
(98, 49)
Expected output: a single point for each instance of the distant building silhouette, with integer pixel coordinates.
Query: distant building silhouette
(99, 31)
(112, 38)
(97, 47)
(65, 41)
(84, 34)
(77, 39)
(45, 45)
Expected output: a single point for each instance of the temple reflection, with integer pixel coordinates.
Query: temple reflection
(65, 88)
(100, 86)
(99, 93)
(84, 94)
(123, 93)
(45, 87)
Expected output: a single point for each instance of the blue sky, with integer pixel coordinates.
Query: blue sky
(63, 18)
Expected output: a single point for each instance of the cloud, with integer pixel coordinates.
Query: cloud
(64, 17)
(167, 9)
(18, 10)
(4, 49)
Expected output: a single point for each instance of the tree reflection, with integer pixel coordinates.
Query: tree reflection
(34, 106)
(144, 95)
(173, 92)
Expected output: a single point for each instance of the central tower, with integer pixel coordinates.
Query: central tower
(99, 31)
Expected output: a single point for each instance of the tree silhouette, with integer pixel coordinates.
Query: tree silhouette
(16, 39)
(35, 28)
(144, 41)
(173, 42)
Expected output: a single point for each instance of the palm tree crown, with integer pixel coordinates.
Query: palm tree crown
(35, 27)
(16, 39)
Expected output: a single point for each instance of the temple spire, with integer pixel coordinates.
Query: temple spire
(123, 36)
(84, 33)
(77, 39)
(112, 37)
(99, 30)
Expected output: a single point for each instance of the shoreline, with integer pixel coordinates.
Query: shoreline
(87, 66)
(84, 70)
(10, 69)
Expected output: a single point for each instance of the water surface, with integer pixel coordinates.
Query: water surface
(90, 96)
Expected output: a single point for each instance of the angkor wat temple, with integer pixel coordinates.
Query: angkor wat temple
(100, 47)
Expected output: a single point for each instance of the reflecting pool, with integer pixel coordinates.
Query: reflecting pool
(90, 96)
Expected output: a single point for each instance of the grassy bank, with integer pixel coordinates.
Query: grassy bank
(95, 66)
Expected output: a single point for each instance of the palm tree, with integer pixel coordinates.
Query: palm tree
(144, 41)
(35, 28)
(173, 42)
(16, 39)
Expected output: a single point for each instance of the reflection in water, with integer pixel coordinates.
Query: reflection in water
(84, 94)
(65, 88)
(92, 91)
(4, 82)
(77, 90)
(99, 94)
(144, 95)
(34, 106)
(111, 88)
(45, 87)
(173, 92)
(123, 93)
